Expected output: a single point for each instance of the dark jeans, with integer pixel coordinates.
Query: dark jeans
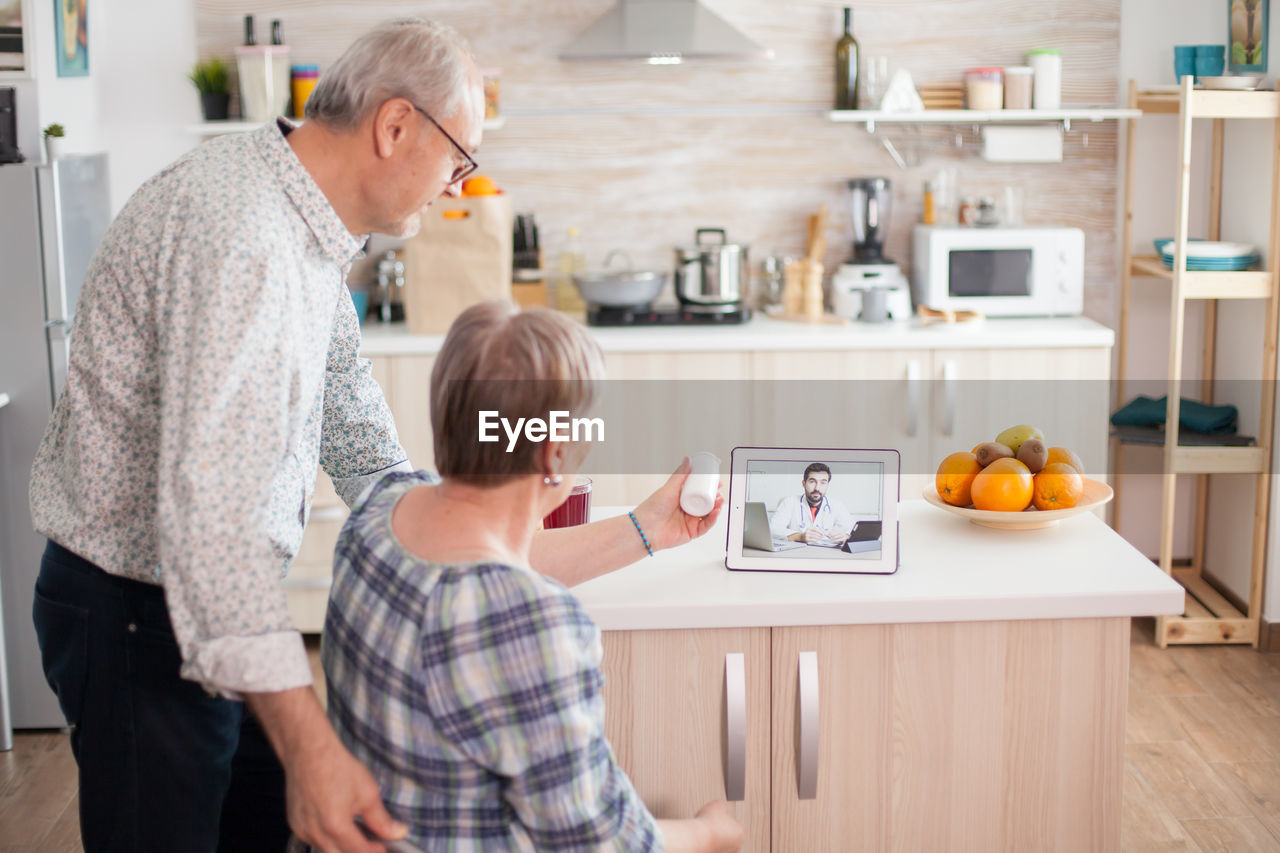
(164, 766)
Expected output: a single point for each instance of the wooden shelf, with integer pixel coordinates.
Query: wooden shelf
(1080, 113)
(1208, 617)
(1245, 284)
(1219, 460)
(1213, 103)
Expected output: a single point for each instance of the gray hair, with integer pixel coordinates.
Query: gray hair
(519, 363)
(423, 61)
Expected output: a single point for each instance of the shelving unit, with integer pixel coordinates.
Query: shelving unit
(1209, 617)
(1065, 115)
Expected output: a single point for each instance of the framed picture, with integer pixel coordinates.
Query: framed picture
(1247, 36)
(15, 59)
(71, 29)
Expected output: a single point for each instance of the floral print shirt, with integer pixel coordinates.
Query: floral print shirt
(213, 366)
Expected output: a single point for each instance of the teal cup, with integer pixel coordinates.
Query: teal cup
(361, 300)
(1210, 60)
(1184, 61)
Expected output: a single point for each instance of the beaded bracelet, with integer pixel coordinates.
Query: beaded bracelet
(643, 538)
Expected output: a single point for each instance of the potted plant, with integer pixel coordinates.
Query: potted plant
(210, 79)
(53, 138)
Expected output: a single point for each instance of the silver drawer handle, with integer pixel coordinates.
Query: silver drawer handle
(949, 386)
(735, 725)
(807, 766)
(913, 398)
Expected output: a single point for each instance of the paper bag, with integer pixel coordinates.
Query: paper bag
(461, 256)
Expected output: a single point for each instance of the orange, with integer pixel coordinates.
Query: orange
(1005, 485)
(1057, 486)
(479, 185)
(955, 478)
(1061, 454)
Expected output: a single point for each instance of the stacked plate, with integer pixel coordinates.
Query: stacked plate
(1211, 255)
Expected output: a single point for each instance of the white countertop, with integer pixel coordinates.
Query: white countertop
(952, 571)
(765, 333)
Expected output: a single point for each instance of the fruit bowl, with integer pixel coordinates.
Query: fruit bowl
(1096, 493)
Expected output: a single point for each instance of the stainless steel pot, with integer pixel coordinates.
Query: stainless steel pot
(711, 272)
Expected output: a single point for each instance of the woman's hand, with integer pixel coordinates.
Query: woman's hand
(664, 522)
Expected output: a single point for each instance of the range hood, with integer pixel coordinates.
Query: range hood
(662, 32)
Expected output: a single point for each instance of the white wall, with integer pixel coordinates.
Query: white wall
(1148, 30)
(135, 99)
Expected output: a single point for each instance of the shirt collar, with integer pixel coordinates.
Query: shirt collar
(337, 243)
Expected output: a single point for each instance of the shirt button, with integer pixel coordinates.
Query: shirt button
(133, 628)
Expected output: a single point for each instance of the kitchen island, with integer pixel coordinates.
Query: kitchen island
(975, 700)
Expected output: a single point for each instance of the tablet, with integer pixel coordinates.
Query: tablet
(813, 509)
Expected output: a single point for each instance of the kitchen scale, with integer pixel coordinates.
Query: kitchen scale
(727, 315)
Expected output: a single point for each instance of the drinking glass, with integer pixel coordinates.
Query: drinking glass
(576, 508)
(875, 81)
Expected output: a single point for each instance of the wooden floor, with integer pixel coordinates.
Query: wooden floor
(1202, 758)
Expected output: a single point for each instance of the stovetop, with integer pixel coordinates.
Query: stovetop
(681, 316)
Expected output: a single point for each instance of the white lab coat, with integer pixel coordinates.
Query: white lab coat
(793, 516)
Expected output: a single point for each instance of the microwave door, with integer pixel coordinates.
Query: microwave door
(996, 281)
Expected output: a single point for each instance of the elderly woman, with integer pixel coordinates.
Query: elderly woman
(466, 681)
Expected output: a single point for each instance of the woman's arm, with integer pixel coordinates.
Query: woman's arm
(573, 555)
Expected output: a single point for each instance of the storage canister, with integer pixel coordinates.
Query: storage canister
(1047, 86)
(1017, 87)
(984, 88)
(304, 80)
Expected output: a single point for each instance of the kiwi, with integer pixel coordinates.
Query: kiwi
(1033, 454)
(991, 451)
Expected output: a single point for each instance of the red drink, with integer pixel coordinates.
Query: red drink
(575, 509)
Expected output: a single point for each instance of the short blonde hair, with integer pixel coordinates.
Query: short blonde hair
(522, 364)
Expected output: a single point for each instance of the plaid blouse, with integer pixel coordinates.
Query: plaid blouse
(472, 693)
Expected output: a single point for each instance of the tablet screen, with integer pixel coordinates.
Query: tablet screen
(811, 510)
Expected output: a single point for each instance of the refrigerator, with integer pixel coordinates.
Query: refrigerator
(52, 218)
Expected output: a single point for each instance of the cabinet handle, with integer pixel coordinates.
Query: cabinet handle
(913, 398)
(807, 765)
(735, 725)
(949, 390)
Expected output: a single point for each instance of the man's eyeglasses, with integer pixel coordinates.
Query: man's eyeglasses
(460, 171)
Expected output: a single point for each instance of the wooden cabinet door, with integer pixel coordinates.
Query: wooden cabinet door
(967, 736)
(860, 398)
(669, 712)
(1066, 392)
(409, 380)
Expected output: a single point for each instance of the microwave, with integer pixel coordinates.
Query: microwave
(1001, 272)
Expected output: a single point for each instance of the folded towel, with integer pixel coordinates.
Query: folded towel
(1145, 411)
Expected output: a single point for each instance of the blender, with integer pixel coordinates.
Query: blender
(870, 287)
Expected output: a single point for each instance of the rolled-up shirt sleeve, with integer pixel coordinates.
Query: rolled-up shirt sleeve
(358, 443)
(227, 379)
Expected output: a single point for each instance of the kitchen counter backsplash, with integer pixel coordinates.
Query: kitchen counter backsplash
(637, 156)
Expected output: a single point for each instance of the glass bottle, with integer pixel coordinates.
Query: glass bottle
(572, 259)
(277, 37)
(847, 60)
(249, 38)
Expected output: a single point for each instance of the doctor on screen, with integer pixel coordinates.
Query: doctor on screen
(811, 516)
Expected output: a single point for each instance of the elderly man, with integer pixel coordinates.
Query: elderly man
(214, 364)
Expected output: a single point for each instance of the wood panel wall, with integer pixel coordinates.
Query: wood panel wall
(638, 156)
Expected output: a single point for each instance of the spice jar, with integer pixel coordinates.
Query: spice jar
(984, 88)
(1047, 88)
(1017, 87)
(928, 213)
(968, 214)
